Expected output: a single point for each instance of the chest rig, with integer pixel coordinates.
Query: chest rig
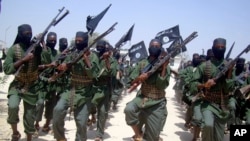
(29, 73)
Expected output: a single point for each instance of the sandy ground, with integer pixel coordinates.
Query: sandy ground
(116, 127)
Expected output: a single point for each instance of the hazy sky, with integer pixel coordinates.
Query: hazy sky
(210, 18)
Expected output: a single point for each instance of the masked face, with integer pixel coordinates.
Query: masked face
(80, 43)
(117, 55)
(219, 51)
(101, 50)
(51, 42)
(154, 48)
(63, 46)
(154, 51)
(239, 67)
(196, 61)
(26, 37)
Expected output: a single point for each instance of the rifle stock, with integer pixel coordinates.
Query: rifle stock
(40, 38)
(161, 61)
(72, 62)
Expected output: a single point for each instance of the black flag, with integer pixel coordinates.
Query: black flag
(137, 52)
(125, 38)
(92, 21)
(169, 35)
(172, 45)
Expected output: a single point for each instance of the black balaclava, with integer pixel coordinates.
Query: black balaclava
(84, 43)
(117, 55)
(63, 44)
(51, 40)
(210, 54)
(22, 35)
(196, 60)
(101, 47)
(203, 58)
(155, 51)
(240, 64)
(219, 52)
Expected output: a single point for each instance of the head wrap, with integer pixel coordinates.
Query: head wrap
(21, 38)
(240, 64)
(155, 51)
(219, 52)
(84, 35)
(63, 44)
(51, 43)
(101, 47)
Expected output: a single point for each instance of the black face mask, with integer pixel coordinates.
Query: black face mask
(26, 38)
(81, 45)
(154, 51)
(101, 50)
(239, 68)
(62, 47)
(117, 56)
(196, 62)
(51, 45)
(219, 52)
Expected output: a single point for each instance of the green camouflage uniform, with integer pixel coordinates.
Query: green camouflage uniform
(149, 106)
(102, 97)
(78, 98)
(23, 87)
(213, 115)
(117, 86)
(47, 93)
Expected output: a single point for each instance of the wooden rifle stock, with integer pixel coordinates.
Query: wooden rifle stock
(36, 41)
(161, 61)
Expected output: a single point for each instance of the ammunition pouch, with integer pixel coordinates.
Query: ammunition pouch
(152, 92)
(81, 81)
(27, 78)
(215, 97)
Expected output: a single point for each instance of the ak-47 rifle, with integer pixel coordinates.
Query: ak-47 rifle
(230, 64)
(221, 73)
(40, 38)
(240, 77)
(79, 57)
(161, 61)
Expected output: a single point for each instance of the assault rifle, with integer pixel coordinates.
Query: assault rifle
(159, 62)
(230, 64)
(240, 77)
(39, 39)
(80, 55)
(225, 67)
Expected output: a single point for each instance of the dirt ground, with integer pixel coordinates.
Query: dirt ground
(116, 127)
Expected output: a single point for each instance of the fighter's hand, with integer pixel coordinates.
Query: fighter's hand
(141, 78)
(106, 55)
(165, 64)
(209, 83)
(52, 64)
(28, 57)
(86, 55)
(62, 67)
